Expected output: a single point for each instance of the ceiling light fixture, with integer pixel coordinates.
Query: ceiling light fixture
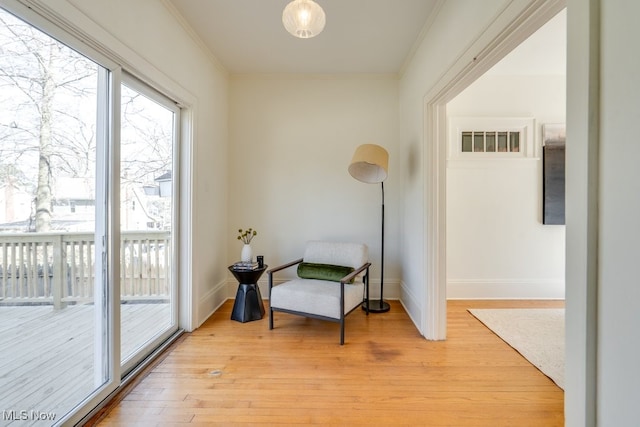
(303, 18)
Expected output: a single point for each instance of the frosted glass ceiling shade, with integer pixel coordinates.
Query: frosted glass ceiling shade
(303, 18)
(369, 164)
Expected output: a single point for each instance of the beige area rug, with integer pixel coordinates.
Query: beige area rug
(536, 333)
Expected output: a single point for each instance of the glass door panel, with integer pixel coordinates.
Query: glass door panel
(54, 339)
(147, 296)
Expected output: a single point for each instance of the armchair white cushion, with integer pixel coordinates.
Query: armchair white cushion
(323, 299)
(334, 253)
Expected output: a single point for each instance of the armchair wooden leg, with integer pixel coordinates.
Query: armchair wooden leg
(342, 331)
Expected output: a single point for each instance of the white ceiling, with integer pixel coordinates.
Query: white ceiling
(361, 36)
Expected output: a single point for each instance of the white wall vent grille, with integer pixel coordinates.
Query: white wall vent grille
(478, 137)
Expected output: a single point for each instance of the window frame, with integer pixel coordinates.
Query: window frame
(458, 125)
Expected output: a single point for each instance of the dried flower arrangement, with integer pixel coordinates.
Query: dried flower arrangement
(246, 235)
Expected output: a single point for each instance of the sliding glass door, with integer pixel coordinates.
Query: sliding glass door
(88, 171)
(147, 288)
(55, 334)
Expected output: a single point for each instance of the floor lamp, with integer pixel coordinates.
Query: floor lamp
(370, 164)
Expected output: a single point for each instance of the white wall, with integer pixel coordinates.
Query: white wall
(497, 246)
(618, 315)
(603, 107)
(291, 140)
(151, 42)
(454, 28)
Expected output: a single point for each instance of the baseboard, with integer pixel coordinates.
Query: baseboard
(212, 301)
(396, 290)
(411, 306)
(391, 289)
(505, 289)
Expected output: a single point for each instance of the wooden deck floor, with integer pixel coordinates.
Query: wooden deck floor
(47, 355)
(230, 373)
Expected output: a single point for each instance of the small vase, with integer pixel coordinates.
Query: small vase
(245, 255)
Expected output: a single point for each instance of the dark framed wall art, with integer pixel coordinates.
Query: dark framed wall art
(553, 174)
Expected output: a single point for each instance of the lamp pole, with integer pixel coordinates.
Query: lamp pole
(380, 306)
(369, 164)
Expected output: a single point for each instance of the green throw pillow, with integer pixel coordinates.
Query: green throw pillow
(333, 273)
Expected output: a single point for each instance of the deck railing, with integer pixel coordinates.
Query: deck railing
(59, 268)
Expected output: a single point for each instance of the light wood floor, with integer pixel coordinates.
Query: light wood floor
(230, 373)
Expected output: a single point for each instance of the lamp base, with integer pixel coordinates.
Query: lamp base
(377, 306)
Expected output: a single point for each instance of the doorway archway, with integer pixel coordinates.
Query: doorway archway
(493, 45)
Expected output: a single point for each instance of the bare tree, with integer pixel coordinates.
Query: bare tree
(41, 80)
(146, 143)
(48, 113)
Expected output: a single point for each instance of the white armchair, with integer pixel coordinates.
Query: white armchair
(333, 280)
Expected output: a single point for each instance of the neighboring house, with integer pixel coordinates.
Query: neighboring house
(73, 204)
(15, 204)
(145, 207)
(142, 209)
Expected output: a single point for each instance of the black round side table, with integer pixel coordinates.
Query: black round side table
(248, 305)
